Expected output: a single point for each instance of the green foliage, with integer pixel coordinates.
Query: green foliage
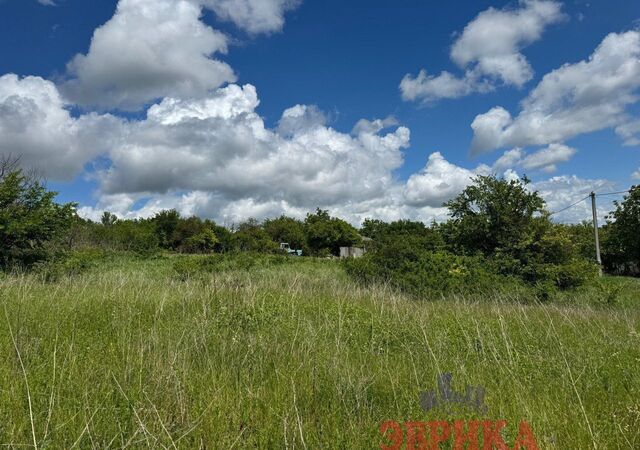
(406, 233)
(608, 293)
(166, 223)
(498, 231)
(31, 223)
(185, 230)
(499, 235)
(108, 219)
(326, 234)
(423, 273)
(136, 236)
(507, 223)
(203, 242)
(251, 237)
(494, 214)
(287, 229)
(583, 240)
(621, 241)
(67, 265)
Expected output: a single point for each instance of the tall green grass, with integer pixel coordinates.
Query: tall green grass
(129, 355)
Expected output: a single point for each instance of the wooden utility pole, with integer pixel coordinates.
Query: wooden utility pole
(595, 229)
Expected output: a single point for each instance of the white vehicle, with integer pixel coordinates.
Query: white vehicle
(287, 248)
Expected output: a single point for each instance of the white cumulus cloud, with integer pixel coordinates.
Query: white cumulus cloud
(489, 51)
(36, 126)
(254, 16)
(574, 99)
(219, 144)
(437, 182)
(545, 159)
(148, 50)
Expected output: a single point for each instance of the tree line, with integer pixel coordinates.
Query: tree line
(496, 227)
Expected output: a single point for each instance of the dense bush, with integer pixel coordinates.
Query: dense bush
(251, 237)
(67, 265)
(621, 237)
(31, 223)
(423, 273)
(326, 234)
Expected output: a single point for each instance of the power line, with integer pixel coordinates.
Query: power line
(570, 206)
(614, 193)
(584, 198)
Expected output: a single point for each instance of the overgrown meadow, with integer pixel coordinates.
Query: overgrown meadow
(175, 332)
(287, 352)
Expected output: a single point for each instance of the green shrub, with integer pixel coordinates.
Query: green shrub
(326, 234)
(608, 294)
(67, 265)
(423, 273)
(251, 237)
(203, 242)
(572, 274)
(31, 223)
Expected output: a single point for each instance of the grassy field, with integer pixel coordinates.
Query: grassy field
(294, 355)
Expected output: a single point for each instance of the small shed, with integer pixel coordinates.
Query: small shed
(351, 252)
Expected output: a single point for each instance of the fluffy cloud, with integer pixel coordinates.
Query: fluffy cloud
(437, 182)
(420, 198)
(148, 50)
(152, 49)
(36, 126)
(636, 175)
(219, 144)
(489, 51)
(545, 159)
(576, 98)
(510, 159)
(429, 88)
(254, 16)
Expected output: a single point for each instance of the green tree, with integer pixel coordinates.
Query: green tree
(166, 223)
(286, 229)
(185, 230)
(251, 237)
(493, 214)
(622, 235)
(373, 228)
(30, 221)
(108, 219)
(326, 234)
(507, 223)
(203, 242)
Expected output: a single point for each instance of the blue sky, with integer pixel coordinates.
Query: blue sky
(340, 62)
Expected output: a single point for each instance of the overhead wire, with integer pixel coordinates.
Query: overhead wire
(613, 193)
(568, 207)
(584, 198)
